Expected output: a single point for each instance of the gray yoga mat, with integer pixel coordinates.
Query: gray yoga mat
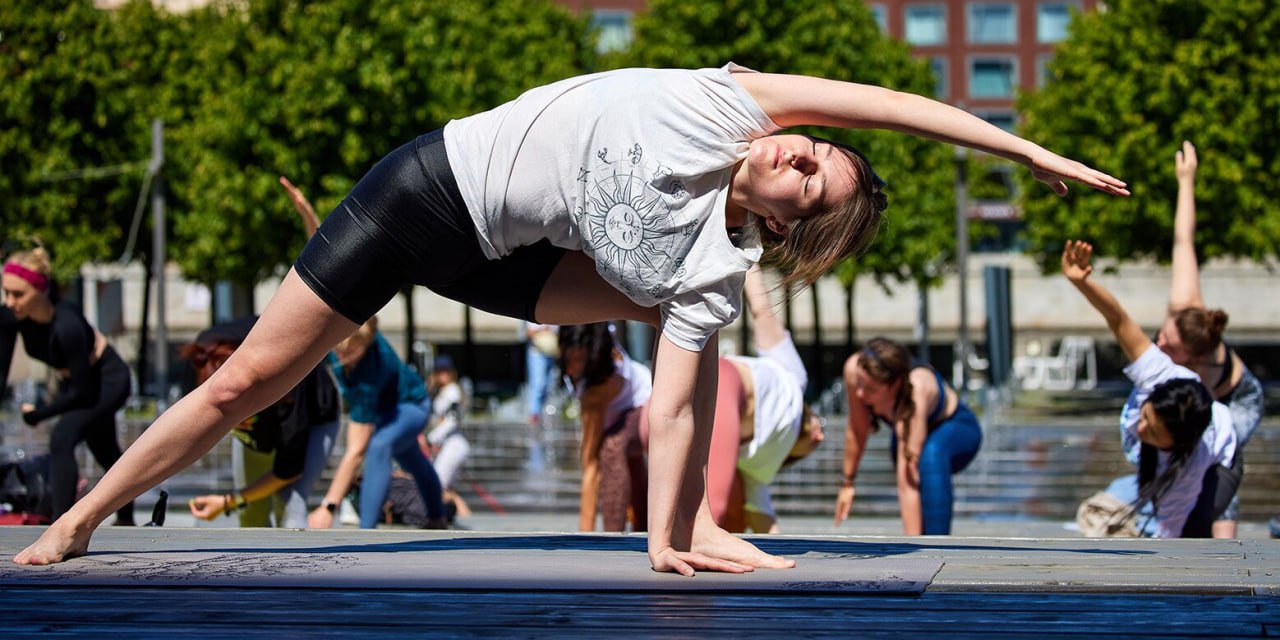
(438, 560)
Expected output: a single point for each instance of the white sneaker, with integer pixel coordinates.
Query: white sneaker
(347, 513)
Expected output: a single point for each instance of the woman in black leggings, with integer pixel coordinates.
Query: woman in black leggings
(94, 381)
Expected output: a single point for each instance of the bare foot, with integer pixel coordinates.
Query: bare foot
(712, 541)
(56, 545)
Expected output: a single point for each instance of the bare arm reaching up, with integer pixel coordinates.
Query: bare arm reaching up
(1185, 290)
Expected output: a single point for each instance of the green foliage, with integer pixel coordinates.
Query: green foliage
(78, 88)
(1130, 84)
(837, 40)
(316, 90)
(319, 91)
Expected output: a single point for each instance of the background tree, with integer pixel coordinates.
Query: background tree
(78, 89)
(319, 91)
(1130, 84)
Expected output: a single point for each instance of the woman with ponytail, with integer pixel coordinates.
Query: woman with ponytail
(93, 380)
(1182, 440)
(1192, 333)
(934, 434)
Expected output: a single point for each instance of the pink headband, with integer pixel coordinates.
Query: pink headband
(37, 280)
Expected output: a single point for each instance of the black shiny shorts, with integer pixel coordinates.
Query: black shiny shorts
(405, 223)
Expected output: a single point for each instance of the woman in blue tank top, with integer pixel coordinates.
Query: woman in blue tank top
(926, 448)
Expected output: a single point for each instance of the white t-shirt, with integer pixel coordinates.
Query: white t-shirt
(1217, 445)
(637, 386)
(630, 166)
(779, 378)
(446, 413)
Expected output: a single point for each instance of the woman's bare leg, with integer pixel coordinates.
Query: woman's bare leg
(294, 333)
(576, 294)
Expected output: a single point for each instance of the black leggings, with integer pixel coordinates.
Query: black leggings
(1220, 486)
(96, 426)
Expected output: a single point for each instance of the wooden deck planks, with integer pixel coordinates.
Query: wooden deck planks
(985, 588)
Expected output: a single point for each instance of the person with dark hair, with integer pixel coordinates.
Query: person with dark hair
(93, 379)
(1192, 333)
(1185, 442)
(883, 386)
(611, 388)
(296, 435)
(633, 194)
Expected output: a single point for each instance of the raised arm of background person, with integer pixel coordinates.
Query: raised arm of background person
(1076, 265)
(792, 100)
(310, 221)
(594, 402)
(1184, 293)
(768, 330)
(358, 436)
(856, 431)
(211, 506)
(295, 331)
(912, 434)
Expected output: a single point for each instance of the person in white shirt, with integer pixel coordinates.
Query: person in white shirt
(762, 423)
(636, 194)
(445, 442)
(1187, 471)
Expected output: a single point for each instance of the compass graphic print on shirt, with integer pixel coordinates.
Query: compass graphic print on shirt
(629, 223)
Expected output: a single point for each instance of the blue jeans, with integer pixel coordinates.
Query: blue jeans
(396, 437)
(538, 365)
(949, 448)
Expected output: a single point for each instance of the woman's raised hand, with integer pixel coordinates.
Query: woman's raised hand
(1185, 162)
(1076, 260)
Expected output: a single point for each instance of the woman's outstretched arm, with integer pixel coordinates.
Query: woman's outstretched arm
(1076, 265)
(792, 100)
(1184, 293)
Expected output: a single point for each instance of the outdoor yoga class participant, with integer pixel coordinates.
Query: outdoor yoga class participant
(611, 389)
(1187, 471)
(286, 445)
(635, 194)
(934, 436)
(1192, 333)
(93, 382)
(762, 424)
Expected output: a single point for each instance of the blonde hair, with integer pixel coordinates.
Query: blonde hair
(35, 259)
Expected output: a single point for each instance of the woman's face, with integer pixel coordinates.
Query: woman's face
(20, 296)
(880, 395)
(575, 362)
(1170, 342)
(1152, 430)
(791, 177)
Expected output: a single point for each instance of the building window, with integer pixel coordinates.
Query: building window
(1052, 19)
(613, 30)
(991, 77)
(1003, 119)
(925, 24)
(940, 85)
(881, 15)
(1043, 74)
(993, 23)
